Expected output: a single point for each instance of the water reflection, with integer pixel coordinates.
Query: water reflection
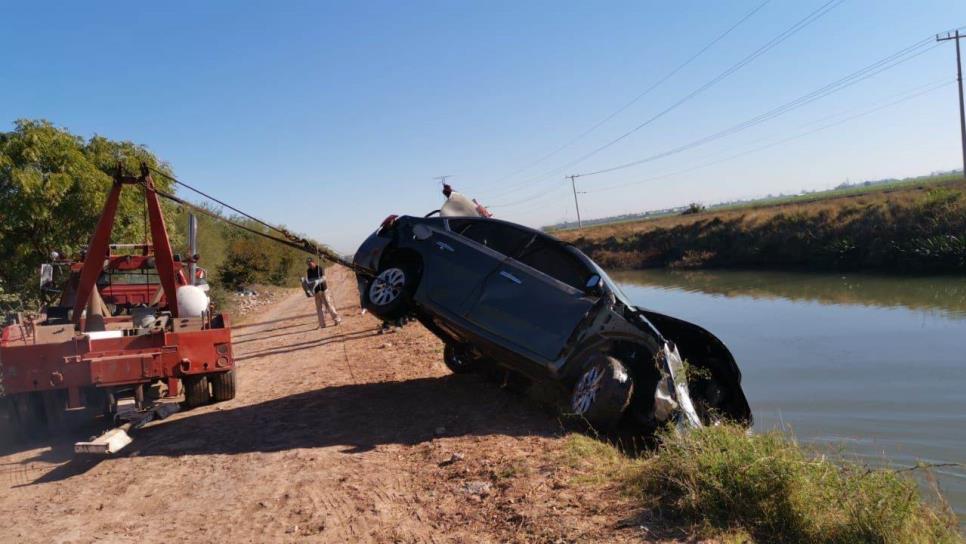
(945, 294)
(875, 365)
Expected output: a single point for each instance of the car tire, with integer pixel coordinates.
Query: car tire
(602, 392)
(457, 361)
(389, 294)
(222, 385)
(196, 392)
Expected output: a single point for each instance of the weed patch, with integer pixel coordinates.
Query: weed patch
(726, 484)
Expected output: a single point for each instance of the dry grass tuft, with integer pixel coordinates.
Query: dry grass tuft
(736, 487)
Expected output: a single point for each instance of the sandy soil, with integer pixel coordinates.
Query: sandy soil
(336, 435)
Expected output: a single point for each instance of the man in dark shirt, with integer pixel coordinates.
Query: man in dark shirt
(323, 302)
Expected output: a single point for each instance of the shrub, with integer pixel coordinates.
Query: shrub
(722, 480)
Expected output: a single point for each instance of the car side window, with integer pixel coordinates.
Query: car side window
(500, 237)
(554, 260)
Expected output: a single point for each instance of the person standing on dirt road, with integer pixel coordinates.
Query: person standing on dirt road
(323, 302)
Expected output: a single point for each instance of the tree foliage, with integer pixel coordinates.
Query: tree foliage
(53, 185)
(253, 259)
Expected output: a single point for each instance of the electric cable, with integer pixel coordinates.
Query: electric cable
(843, 83)
(641, 95)
(774, 42)
(917, 92)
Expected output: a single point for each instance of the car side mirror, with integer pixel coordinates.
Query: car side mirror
(593, 285)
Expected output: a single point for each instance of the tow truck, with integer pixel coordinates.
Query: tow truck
(130, 325)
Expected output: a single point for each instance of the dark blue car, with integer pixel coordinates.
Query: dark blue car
(503, 295)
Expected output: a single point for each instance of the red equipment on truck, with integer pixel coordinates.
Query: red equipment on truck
(106, 339)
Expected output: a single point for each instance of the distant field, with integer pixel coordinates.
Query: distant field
(910, 225)
(853, 190)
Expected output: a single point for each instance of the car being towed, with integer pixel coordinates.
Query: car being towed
(498, 293)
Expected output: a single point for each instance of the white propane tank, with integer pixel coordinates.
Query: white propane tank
(192, 301)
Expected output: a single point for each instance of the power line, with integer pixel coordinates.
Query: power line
(929, 88)
(641, 95)
(905, 96)
(774, 42)
(528, 199)
(882, 65)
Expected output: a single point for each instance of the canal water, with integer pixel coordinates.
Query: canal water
(871, 367)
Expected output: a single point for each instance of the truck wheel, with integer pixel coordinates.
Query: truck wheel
(602, 392)
(27, 410)
(196, 391)
(223, 385)
(457, 361)
(389, 295)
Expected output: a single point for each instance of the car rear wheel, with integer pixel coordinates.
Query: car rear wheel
(458, 361)
(389, 294)
(602, 392)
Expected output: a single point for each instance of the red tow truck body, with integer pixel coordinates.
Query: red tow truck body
(110, 338)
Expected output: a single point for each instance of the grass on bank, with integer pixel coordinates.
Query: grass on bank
(722, 483)
(920, 228)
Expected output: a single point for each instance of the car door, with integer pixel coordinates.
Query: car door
(535, 300)
(461, 257)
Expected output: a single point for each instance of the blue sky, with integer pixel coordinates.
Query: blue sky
(326, 117)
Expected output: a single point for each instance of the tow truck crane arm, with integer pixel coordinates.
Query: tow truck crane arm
(287, 238)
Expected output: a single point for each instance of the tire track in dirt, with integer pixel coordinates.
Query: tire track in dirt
(336, 435)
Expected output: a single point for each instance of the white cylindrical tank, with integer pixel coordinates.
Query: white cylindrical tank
(192, 301)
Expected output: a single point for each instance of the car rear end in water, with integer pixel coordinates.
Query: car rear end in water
(500, 295)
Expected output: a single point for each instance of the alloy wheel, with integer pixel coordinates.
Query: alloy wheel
(586, 390)
(387, 286)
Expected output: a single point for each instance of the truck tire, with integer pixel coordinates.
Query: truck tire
(602, 392)
(196, 391)
(389, 295)
(222, 385)
(457, 361)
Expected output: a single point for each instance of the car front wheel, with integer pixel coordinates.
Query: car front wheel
(602, 392)
(389, 294)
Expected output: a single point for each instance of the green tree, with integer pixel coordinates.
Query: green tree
(52, 189)
(252, 259)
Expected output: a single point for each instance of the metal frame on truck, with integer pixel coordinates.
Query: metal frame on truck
(80, 356)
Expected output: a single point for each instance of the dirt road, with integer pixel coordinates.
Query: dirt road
(337, 435)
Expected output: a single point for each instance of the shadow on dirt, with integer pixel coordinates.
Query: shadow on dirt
(265, 335)
(279, 320)
(263, 332)
(356, 418)
(309, 344)
(51, 453)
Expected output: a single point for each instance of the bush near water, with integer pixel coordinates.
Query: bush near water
(722, 483)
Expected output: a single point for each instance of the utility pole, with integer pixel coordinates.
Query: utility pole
(959, 78)
(573, 185)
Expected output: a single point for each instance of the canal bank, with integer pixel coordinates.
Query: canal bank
(864, 368)
(918, 229)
